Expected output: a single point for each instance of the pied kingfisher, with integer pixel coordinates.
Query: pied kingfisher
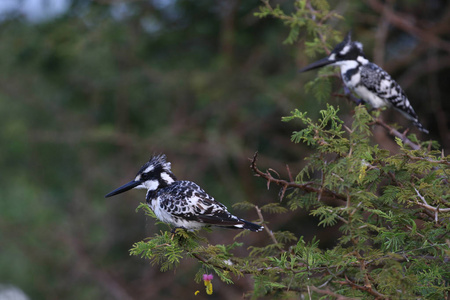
(180, 203)
(373, 84)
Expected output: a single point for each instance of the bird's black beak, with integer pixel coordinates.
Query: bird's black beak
(126, 187)
(320, 63)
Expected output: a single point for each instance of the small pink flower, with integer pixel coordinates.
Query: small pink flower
(208, 277)
(207, 280)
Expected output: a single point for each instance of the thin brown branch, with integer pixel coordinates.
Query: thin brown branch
(436, 210)
(391, 175)
(321, 37)
(394, 132)
(442, 161)
(330, 293)
(421, 235)
(282, 17)
(262, 270)
(289, 173)
(289, 184)
(224, 268)
(339, 217)
(266, 228)
(203, 260)
(367, 289)
(322, 179)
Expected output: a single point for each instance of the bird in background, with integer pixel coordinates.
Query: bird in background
(370, 82)
(180, 203)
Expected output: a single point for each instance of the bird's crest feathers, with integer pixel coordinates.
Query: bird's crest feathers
(154, 162)
(347, 50)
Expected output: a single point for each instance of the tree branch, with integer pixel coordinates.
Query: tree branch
(266, 228)
(290, 184)
(368, 289)
(330, 293)
(394, 132)
(435, 210)
(442, 161)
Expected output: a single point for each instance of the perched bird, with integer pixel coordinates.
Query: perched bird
(180, 203)
(370, 82)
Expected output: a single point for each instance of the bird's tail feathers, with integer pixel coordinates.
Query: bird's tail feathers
(251, 226)
(227, 220)
(420, 126)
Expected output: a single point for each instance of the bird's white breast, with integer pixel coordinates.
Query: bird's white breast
(346, 66)
(353, 82)
(166, 217)
(370, 97)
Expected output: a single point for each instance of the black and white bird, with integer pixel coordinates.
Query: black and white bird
(180, 203)
(370, 82)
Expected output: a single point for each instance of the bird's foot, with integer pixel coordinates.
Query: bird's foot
(350, 96)
(359, 101)
(371, 109)
(347, 90)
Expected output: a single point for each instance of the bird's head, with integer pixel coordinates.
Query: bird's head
(346, 51)
(153, 175)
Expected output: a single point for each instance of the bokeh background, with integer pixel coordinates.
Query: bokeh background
(89, 90)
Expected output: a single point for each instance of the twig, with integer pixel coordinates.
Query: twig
(368, 289)
(282, 17)
(286, 184)
(445, 162)
(330, 293)
(203, 260)
(322, 181)
(321, 37)
(339, 217)
(392, 176)
(266, 228)
(396, 133)
(289, 173)
(309, 292)
(436, 210)
(421, 235)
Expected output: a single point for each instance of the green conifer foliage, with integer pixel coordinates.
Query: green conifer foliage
(392, 210)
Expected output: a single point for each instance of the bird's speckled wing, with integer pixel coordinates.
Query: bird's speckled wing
(187, 200)
(378, 81)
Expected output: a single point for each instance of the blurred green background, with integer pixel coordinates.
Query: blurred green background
(88, 95)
